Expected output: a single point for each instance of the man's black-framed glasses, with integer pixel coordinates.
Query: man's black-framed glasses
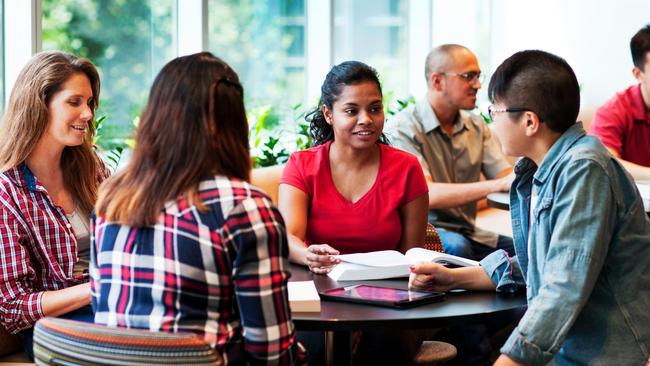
(492, 110)
(470, 77)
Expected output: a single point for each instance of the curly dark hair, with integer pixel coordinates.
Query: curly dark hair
(343, 74)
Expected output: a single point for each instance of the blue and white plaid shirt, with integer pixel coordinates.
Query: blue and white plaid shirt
(221, 273)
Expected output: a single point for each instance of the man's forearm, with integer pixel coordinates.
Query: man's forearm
(447, 195)
(639, 172)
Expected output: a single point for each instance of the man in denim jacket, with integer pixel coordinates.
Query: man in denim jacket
(581, 235)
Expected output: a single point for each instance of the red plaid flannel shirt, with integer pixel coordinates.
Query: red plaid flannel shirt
(38, 248)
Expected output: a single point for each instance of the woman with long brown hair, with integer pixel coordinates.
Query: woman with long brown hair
(48, 186)
(182, 242)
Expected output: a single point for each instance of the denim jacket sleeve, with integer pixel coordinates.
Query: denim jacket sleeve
(571, 237)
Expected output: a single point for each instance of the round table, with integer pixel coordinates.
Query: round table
(500, 200)
(337, 319)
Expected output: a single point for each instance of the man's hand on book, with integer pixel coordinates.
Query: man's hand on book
(321, 258)
(430, 276)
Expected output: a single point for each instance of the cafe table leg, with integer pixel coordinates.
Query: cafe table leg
(338, 347)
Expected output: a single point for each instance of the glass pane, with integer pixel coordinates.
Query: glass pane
(264, 41)
(374, 32)
(128, 40)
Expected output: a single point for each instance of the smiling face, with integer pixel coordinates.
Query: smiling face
(69, 113)
(357, 115)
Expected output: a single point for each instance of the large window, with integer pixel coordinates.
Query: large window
(129, 41)
(264, 41)
(374, 32)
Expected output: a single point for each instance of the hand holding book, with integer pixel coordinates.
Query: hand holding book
(390, 263)
(430, 277)
(434, 277)
(321, 258)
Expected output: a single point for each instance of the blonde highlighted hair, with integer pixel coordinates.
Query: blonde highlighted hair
(26, 120)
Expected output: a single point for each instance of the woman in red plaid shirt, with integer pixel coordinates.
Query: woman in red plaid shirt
(182, 241)
(48, 186)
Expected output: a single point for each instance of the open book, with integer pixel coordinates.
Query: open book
(390, 263)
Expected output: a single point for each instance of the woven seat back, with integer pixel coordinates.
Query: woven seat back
(68, 342)
(432, 239)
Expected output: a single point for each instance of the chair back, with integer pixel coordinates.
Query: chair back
(69, 342)
(432, 239)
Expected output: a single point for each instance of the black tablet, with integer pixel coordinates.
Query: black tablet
(382, 296)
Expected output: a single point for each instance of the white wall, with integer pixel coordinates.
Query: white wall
(592, 35)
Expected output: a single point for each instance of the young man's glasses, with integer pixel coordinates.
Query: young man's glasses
(492, 110)
(470, 77)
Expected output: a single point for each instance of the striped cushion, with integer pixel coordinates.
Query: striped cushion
(65, 342)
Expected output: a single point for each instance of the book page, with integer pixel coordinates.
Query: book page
(416, 255)
(382, 258)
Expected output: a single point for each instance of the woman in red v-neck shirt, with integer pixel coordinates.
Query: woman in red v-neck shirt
(351, 192)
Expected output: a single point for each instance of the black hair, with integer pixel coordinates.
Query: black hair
(540, 82)
(640, 46)
(343, 74)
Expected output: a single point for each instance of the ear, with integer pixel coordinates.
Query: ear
(532, 123)
(636, 72)
(435, 81)
(327, 114)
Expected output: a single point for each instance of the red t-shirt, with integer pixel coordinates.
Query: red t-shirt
(371, 223)
(622, 124)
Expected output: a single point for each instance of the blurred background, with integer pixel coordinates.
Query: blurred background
(282, 49)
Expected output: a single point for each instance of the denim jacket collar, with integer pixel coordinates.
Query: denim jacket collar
(559, 148)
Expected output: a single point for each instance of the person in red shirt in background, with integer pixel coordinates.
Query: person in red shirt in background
(623, 123)
(351, 192)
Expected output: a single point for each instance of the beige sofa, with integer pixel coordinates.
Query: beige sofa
(268, 179)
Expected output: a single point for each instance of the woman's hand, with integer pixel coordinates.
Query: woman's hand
(321, 258)
(431, 276)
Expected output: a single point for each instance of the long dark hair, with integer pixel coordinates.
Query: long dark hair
(194, 126)
(343, 74)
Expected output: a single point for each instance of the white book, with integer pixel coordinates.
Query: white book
(303, 297)
(390, 264)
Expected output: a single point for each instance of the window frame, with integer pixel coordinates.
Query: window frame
(23, 32)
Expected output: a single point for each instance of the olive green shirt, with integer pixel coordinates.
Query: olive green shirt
(460, 159)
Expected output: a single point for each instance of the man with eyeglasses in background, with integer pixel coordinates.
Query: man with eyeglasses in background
(454, 147)
(623, 123)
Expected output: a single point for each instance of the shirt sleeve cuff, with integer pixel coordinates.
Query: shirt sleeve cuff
(503, 270)
(521, 350)
(35, 302)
